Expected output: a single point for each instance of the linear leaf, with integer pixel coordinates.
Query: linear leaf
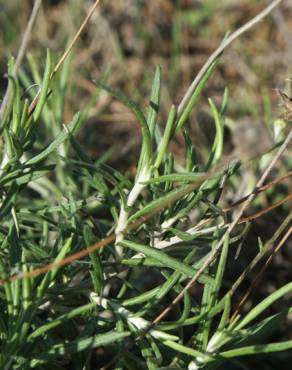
(165, 259)
(154, 101)
(193, 100)
(264, 304)
(54, 144)
(83, 344)
(258, 349)
(45, 87)
(146, 145)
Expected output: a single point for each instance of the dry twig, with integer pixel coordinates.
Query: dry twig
(226, 42)
(257, 279)
(66, 53)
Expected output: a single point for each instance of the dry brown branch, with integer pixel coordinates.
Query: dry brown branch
(259, 17)
(259, 190)
(257, 279)
(265, 210)
(66, 53)
(267, 247)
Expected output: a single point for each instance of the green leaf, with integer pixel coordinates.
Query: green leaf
(166, 136)
(45, 88)
(257, 349)
(54, 144)
(83, 344)
(264, 304)
(9, 200)
(224, 102)
(146, 145)
(165, 260)
(12, 87)
(97, 269)
(51, 274)
(220, 269)
(34, 175)
(154, 101)
(193, 100)
(217, 148)
(191, 157)
(60, 320)
(25, 175)
(162, 202)
(176, 177)
(7, 288)
(15, 124)
(263, 330)
(188, 351)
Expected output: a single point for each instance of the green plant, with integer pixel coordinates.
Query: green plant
(55, 201)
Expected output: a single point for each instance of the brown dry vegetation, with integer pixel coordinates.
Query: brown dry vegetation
(131, 37)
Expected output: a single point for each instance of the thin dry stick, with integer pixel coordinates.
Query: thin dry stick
(259, 190)
(259, 17)
(259, 275)
(175, 239)
(240, 201)
(21, 51)
(265, 210)
(65, 261)
(217, 249)
(267, 247)
(75, 38)
(66, 53)
(164, 244)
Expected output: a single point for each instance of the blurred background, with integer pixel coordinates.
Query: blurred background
(125, 39)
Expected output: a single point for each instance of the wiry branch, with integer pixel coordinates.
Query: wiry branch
(226, 42)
